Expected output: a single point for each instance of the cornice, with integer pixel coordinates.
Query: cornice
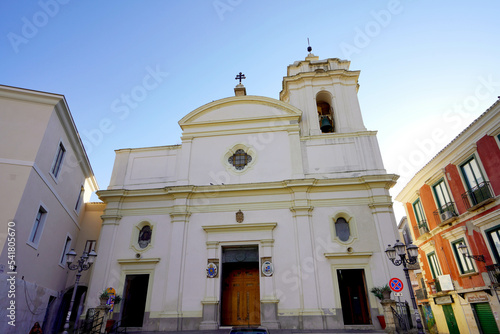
(238, 131)
(239, 227)
(246, 99)
(244, 121)
(28, 95)
(309, 185)
(335, 135)
(457, 150)
(344, 254)
(153, 260)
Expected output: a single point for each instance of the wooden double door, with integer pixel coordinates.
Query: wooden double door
(240, 294)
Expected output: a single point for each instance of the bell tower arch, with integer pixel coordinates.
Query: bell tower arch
(326, 92)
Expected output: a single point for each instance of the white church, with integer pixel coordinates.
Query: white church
(271, 212)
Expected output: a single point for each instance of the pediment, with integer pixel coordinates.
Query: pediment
(240, 109)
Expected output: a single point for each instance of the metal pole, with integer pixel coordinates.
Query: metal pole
(412, 296)
(66, 324)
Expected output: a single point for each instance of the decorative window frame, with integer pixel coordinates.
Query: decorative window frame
(423, 222)
(440, 205)
(62, 260)
(55, 162)
(80, 199)
(434, 273)
(495, 254)
(349, 218)
(230, 151)
(40, 227)
(134, 243)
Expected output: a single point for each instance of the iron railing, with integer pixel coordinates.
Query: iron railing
(92, 323)
(478, 195)
(494, 274)
(402, 317)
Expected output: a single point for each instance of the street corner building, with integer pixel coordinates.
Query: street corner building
(453, 208)
(46, 183)
(270, 212)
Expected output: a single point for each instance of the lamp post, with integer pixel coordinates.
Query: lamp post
(403, 251)
(465, 252)
(83, 264)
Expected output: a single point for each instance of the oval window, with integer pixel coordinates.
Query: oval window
(342, 229)
(145, 236)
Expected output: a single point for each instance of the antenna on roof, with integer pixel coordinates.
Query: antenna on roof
(309, 49)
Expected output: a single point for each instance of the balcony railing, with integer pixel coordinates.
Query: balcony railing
(445, 214)
(494, 274)
(478, 196)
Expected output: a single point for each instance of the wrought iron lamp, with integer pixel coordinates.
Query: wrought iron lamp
(83, 264)
(408, 254)
(465, 252)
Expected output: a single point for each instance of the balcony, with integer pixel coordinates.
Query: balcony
(478, 196)
(445, 214)
(494, 274)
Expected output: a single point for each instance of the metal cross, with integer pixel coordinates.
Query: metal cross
(240, 76)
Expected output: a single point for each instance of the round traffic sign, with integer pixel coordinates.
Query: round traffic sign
(396, 285)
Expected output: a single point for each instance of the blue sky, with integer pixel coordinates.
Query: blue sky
(427, 68)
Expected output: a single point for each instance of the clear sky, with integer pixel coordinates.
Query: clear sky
(428, 68)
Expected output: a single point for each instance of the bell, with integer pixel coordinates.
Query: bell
(326, 126)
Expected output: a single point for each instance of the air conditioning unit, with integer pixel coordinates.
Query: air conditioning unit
(447, 215)
(423, 229)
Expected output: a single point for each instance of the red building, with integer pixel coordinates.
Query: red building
(453, 207)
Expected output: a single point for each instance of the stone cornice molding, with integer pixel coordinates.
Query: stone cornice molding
(305, 210)
(455, 233)
(111, 219)
(338, 135)
(347, 254)
(180, 217)
(239, 227)
(238, 131)
(456, 151)
(296, 186)
(153, 260)
(246, 99)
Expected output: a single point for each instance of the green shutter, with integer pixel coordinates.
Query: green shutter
(485, 318)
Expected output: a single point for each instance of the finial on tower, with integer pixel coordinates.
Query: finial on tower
(309, 48)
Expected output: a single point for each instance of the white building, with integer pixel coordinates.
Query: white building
(46, 183)
(270, 212)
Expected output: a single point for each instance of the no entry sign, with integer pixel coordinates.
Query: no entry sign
(396, 285)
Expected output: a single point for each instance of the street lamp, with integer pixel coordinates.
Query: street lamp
(465, 252)
(83, 264)
(403, 251)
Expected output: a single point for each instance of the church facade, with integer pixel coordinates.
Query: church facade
(271, 212)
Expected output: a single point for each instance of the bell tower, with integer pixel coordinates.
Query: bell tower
(326, 92)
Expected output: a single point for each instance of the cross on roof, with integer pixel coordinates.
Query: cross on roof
(240, 76)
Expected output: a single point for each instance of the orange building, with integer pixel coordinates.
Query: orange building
(453, 207)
